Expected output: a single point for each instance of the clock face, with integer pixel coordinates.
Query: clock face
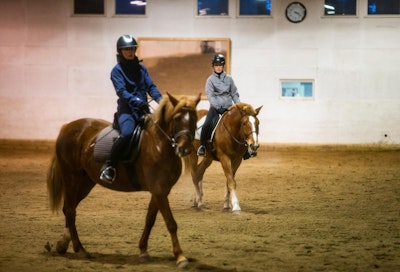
(296, 12)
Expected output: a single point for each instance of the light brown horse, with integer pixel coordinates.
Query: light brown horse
(167, 136)
(236, 135)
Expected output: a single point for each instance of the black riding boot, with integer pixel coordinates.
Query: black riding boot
(108, 171)
(205, 135)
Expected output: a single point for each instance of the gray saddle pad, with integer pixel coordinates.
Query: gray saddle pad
(104, 143)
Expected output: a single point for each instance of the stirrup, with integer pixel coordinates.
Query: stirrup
(108, 175)
(201, 151)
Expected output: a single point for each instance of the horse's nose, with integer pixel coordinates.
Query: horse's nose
(255, 146)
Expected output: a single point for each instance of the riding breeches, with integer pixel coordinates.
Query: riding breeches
(207, 126)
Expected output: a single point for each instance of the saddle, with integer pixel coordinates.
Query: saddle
(199, 127)
(210, 142)
(105, 140)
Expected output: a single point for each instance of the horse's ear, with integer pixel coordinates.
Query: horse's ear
(173, 100)
(258, 110)
(198, 99)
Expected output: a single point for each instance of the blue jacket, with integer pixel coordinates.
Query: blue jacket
(131, 96)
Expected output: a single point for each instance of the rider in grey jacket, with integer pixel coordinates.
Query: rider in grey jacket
(221, 93)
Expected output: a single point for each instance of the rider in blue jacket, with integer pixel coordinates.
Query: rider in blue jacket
(132, 84)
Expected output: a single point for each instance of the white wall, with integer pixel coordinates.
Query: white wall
(55, 68)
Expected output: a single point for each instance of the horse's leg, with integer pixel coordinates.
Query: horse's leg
(152, 211)
(230, 199)
(227, 198)
(76, 190)
(165, 209)
(197, 200)
(197, 178)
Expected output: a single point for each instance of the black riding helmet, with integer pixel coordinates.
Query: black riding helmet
(126, 41)
(218, 58)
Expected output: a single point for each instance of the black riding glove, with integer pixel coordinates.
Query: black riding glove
(135, 102)
(144, 108)
(221, 110)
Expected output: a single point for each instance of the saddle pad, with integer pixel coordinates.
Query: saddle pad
(104, 143)
(200, 124)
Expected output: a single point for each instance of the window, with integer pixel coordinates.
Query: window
(340, 7)
(297, 89)
(254, 7)
(130, 7)
(212, 7)
(88, 6)
(383, 7)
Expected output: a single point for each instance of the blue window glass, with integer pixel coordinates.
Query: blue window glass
(130, 7)
(212, 7)
(340, 7)
(255, 7)
(299, 89)
(380, 7)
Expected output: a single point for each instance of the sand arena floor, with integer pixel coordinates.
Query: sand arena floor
(304, 208)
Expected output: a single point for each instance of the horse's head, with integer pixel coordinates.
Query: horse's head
(180, 122)
(250, 127)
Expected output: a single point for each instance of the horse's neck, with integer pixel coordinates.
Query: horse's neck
(159, 136)
(233, 120)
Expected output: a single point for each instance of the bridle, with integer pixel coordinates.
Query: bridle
(174, 136)
(245, 136)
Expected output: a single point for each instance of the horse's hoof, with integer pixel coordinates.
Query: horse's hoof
(182, 262)
(144, 258)
(236, 208)
(236, 212)
(62, 246)
(48, 247)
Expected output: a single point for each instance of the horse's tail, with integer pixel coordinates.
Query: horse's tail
(55, 185)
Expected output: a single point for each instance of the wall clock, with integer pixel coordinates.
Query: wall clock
(296, 12)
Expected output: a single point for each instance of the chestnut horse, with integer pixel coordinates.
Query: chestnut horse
(166, 137)
(235, 136)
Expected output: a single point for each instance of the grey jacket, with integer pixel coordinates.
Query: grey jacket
(221, 91)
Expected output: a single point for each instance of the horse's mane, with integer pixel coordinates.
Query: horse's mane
(245, 108)
(166, 109)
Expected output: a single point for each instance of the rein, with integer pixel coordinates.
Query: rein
(173, 138)
(234, 138)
